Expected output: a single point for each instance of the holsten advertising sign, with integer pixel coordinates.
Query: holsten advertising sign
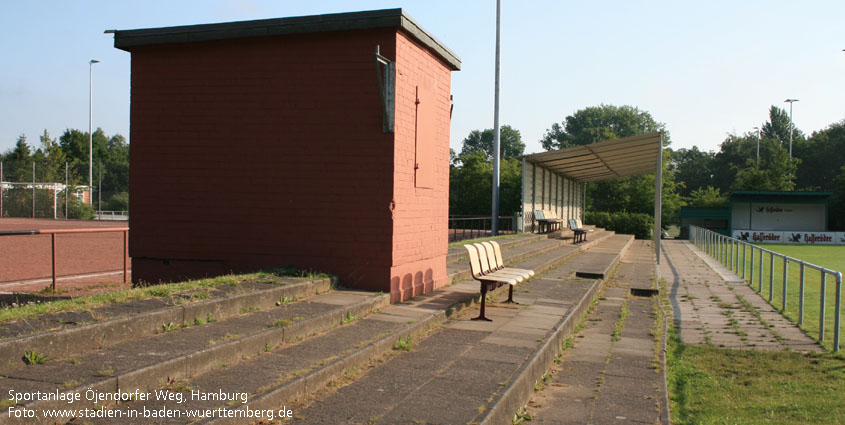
(797, 237)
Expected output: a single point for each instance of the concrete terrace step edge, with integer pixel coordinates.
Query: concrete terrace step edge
(72, 341)
(520, 390)
(465, 274)
(198, 362)
(607, 270)
(458, 255)
(317, 379)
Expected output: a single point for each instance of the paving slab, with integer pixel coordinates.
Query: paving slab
(708, 308)
(463, 387)
(602, 379)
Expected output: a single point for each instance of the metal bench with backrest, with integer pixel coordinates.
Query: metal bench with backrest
(579, 230)
(485, 269)
(550, 222)
(494, 255)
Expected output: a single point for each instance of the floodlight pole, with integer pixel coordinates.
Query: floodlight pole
(791, 126)
(496, 142)
(758, 146)
(90, 134)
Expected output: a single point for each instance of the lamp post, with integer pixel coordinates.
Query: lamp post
(90, 133)
(494, 222)
(758, 146)
(791, 126)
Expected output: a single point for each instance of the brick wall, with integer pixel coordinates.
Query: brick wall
(421, 171)
(261, 152)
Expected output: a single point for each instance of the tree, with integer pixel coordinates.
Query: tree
(777, 127)
(598, 123)
(836, 217)
(470, 185)
(629, 194)
(17, 162)
(693, 169)
(822, 155)
(707, 197)
(510, 143)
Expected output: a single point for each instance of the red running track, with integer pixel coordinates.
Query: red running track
(27, 257)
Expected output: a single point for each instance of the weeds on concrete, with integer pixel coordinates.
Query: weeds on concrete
(70, 384)
(623, 315)
(349, 318)
(31, 357)
(279, 323)
(756, 312)
(105, 372)
(177, 385)
(284, 300)
(250, 309)
(193, 290)
(521, 416)
(404, 344)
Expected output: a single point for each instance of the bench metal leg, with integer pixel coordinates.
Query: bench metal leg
(510, 296)
(481, 315)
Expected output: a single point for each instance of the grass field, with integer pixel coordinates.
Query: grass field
(771, 286)
(710, 385)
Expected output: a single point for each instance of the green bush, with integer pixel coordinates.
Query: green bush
(118, 202)
(79, 210)
(637, 224)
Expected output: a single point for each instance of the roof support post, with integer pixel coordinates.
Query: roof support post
(522, 196)
(584, 201)
(533, 194)
(658, 198)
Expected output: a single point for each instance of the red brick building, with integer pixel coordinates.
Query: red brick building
(290, 141)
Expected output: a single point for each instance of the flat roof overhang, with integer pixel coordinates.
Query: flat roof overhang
(387, 18)
(606, 160)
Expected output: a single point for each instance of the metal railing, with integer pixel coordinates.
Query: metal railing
(739, 257)
(55, 232)
(469, 226)
(111, 215)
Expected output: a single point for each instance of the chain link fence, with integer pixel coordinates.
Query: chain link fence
(44, 189)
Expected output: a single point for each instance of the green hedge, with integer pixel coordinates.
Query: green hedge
(637, 224)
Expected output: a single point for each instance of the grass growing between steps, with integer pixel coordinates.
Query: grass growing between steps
(710, 385)
(87, 302)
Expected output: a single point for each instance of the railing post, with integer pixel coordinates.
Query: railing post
(736, 256)
(743, 261)
(751, 269)
(771, 276)
(125, 253)
(821, 306)
(838, 311)
(53, 257)
(801, 295)
(785, 268)
(760, 271)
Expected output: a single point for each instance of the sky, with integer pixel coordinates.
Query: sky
(705, 69)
